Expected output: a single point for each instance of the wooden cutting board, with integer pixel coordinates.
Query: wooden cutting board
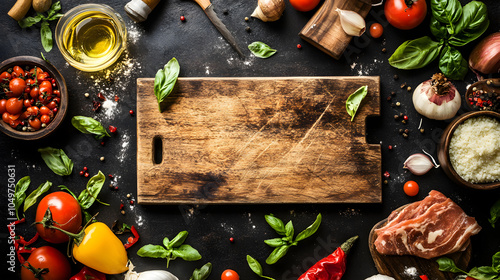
(257, 140)
(324, 30)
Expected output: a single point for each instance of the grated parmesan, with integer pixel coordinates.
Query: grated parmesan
(475, 150)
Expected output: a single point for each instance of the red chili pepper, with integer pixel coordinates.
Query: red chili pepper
(134, 240)
(88, 273)
(424, 277)
(331, 267)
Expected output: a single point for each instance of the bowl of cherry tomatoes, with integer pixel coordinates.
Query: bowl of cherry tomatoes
(33, 97)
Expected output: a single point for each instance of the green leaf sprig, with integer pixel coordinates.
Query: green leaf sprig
(31, 199)
(494, 213)
(165, 80)
(20, 193)
(282, 244)
(354, 100)
(45, 32)
(202, 273)
(89, 126)
(171, 249)
(261, 50)
(453, 26)
(481, 273)
(256, 267)
(57, 160)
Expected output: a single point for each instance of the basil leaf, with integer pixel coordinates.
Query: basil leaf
(494, 213)
(56, 16)
(289, 230)
(447, 12)
(57, 160)
(64, 188)
(177, 241)
(261, 50)
(202, 273)
(29, 21)
(90, 193)
(452, 64)
(354, 100)
(31, 199)
(254, 265)
(46, 35)
(310, 230)
(165, 80)
(277, 254)
(447, 264)
(89, 126)
(20, 193)
(415, 54)
(495, 261)
(165, 242)
(152, 251)
(276, 224)
(483, 273)
(473, 24)
(275, 242)
(56, 7)
(186, 252)
(438, 29)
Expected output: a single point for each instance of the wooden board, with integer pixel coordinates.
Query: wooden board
(324, 30)
(257, 140)
(397, 266)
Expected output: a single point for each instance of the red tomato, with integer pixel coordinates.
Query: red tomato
(32, 110)
(6, 117)
(45, 119)
(14, 123)
(304, 5)
(46, 87)
(44, 110)
(229, 274)
(35, 91)
(50, 258)
(27, 103)
(14, 106)
(30, 82)
(57, 93)
(5, 75)
(35, 123)
(18, 70)
(34, 72)
(376, 30)
(17, 86)
(405, 17)
(41, 76)
(2, 106)
(411, 188)
(52, 105)
(66, 214)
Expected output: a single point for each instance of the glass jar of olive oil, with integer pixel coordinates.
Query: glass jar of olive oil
(91, 37)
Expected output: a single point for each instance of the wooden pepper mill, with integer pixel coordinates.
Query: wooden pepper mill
(19, 10)
(138, 10)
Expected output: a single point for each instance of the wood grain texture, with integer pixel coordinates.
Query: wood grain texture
(258, 140)
(397, 266)
(324, 30)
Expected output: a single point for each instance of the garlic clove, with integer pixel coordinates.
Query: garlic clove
(269, 10)
(352, 22)
(418, 164)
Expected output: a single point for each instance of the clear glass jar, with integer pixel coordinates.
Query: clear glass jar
(91, 37)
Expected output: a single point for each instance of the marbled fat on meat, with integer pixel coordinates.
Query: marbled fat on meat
(429, 228)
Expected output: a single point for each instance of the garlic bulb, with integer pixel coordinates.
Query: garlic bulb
(269, 10)
(352, 22)
(437, 98)
(148, 275)
(419, 164)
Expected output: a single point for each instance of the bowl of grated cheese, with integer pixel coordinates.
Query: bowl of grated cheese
(469, 150)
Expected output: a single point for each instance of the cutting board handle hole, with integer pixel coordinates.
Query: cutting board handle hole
(157, 149)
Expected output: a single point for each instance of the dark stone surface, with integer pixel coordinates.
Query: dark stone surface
(202, 52)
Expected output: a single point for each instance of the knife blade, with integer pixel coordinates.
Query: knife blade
(209, 11)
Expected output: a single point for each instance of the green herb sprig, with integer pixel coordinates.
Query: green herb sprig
(261, 50)
(354, 100)
(282, 244)
(481, 273)
(45, 32)
(171, 249)
(165, 80)
(20, 193)
(31, 199)
(202, 273)
(494, 213)
(57, 160)
(256, 267)
(453, 26)
(89, 126)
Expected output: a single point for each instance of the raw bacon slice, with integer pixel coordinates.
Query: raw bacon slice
(429, 228)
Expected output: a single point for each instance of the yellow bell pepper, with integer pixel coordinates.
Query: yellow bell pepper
(101, 250)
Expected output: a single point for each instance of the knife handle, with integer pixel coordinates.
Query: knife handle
(138, 10)
(203, 3)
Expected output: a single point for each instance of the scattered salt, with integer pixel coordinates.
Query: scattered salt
(410, 271)
(133, 33)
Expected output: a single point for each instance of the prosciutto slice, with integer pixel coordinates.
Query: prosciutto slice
(430, 228)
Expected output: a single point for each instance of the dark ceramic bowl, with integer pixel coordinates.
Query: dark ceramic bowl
(63, 106)
(444, 146)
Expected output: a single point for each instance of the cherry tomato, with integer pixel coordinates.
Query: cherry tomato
(18, 70)
(14, 106)
(57, 93)
(41, 76)
(44, 110)
(66, 214)
(2, 106)
(50, 258)
(35, 123)
(32, 110)
(51, 105)
(304, 5)
(30, 82)
(27, 103)
(229, 274)
(5, 75)
(376, 30)
(14, 123)
(34, 72)
(46, 87)
(45, 119)
(57, 100)
(403, 16)
(411, 188)
(34, 92)
(17, 86)
(6, 117)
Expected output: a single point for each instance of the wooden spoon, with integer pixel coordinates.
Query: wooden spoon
(487, 85)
